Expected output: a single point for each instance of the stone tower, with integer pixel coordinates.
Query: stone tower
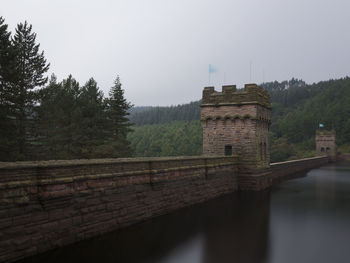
(325, 144)
(237, 122)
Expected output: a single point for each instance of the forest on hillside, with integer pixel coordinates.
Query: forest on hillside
(158, 115)
(297, 111)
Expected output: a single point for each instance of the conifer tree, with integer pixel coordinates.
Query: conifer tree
(119, 125)
(30, 67)
(92, 131)
(59, 118)
(47, 118)
(73, 116)
(6, 57)
(7, 138)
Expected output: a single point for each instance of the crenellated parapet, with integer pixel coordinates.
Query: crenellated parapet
(251, 94)
(330, 133)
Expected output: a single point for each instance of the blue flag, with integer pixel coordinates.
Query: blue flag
(321, 125)
(212, 69)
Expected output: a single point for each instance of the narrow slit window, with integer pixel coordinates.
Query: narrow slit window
(228, 150)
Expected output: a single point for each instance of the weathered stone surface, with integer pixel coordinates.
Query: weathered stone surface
(98, 199)
(230, 95)
(48, 204)
(344, 157)
(325, 144)
(278, 172)
(238, 120)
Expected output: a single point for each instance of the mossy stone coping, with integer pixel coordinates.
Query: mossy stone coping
(80, 162)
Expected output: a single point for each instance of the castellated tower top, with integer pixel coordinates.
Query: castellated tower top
(326, 143)
(251, 94)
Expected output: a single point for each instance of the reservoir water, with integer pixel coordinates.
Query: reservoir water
(302, 220)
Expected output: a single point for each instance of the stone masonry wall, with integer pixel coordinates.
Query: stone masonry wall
(326, 144)
(218, 133)
(279, 172)
(49, 204)
(345, 157)
(237, 119)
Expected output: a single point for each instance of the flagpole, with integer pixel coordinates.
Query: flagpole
(209, 75)
(250, 71)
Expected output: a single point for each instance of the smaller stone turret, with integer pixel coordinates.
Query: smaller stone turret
(325, 144)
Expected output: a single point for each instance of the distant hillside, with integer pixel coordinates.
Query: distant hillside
(138, 109)
(167, 139)
(329, 106)
(286, 94)
(157, 115)
(297, 110)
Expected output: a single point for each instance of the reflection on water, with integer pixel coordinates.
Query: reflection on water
(302, 220)
(310, 217)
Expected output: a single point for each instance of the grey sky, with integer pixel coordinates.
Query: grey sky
(161, 49)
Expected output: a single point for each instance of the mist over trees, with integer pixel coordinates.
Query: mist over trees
(43, 119)
(159, 115)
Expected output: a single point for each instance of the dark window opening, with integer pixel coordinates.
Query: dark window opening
(322, 149)
(228, 150)
(328, 149)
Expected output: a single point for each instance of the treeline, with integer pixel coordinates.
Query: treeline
(158, 115)
(297, 111)
(61, 120)
(76, 121)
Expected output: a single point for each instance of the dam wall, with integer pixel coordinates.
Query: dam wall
(48, 204)
(44, 205)
(345, 157)
(279, 172)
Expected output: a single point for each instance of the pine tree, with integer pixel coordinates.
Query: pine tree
(30, 67)
(7, 138)
(73, 116)
(119, 125)
(59, 118)
(6, 57)
(92, 131)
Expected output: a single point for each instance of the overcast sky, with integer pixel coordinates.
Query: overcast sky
(161, 49)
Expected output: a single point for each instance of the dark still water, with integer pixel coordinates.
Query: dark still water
(302, 220)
